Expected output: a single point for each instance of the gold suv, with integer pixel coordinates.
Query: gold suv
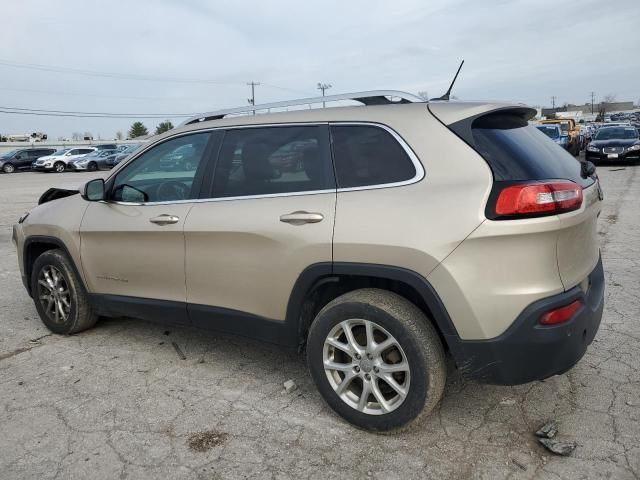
(380, 237)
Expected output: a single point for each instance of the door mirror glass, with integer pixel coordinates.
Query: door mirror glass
(94, 190)
(132, 194)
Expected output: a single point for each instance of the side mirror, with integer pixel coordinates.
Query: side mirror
(587, 169)
(93, 191)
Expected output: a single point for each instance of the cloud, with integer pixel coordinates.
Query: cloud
(514, 50)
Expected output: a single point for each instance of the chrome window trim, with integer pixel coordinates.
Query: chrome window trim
(419, 175)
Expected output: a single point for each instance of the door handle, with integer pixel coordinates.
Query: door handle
(164, 219)
(301, 217)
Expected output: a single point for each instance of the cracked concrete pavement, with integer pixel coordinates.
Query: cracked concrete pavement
(118, 402)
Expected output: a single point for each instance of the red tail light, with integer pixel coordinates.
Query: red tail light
(540, 198)
(562, 314)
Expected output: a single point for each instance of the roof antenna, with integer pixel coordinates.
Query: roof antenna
(448, 94)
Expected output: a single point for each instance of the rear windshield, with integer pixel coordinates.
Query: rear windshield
(517, 151)
(549, 131)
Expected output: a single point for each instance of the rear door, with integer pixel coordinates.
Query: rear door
(268, 216)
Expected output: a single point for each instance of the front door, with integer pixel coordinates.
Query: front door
(133, 244)
(270, 215)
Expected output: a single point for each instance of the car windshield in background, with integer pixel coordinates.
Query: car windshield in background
(627, 133)
(551, 132)
(8, 154)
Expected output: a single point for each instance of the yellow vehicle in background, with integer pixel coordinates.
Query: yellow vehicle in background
(571, 130)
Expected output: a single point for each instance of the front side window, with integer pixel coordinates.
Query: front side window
(271, 160)
(163, 173)
(366, 155)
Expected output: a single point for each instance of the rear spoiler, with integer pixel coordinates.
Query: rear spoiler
(461, 118)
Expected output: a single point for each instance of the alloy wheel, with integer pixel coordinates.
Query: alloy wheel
(8, 168)
(366, 366)
(54, 295)
(59, 167)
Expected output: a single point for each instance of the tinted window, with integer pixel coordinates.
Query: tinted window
(163, 173)
(516, 151)
(268, 160)
(368, 155)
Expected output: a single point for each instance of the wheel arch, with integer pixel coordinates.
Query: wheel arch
(36, 245)
(320, 283)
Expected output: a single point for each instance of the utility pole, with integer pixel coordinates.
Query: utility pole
(252, 100)
(323, 87)
(592, 97)
(553, 102)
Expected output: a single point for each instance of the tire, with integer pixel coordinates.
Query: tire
(92, 167)
(79, 314)
(419, 344)
(8, 168)
(59, 167)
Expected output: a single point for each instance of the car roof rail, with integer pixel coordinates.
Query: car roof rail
(372, 97)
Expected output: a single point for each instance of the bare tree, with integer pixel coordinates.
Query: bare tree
(75, 136)
(604, 105)
(119, 135)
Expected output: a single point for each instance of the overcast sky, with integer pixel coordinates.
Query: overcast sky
(525, 51)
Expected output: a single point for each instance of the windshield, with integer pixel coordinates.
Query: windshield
(625, 133)
(549, 131)
(8, 154)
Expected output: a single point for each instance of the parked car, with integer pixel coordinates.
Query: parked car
(614, 144)
(59, 160)
(569, 128)
(123, 154)
(22, 159)
(97, 160)
(554, 132)
(411, 230)
(106, 146)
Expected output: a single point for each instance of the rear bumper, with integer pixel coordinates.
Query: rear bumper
(528, 351)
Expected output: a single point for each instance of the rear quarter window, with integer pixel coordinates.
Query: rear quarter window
(367, 155)
(516, 151)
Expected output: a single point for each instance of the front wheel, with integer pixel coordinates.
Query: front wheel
(376, 359)
(92, 167)
(59, 296)
(59, 167)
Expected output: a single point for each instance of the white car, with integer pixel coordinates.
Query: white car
(60, 159)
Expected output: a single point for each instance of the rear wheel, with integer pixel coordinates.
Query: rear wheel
(376, 359)
(59, 296)
(59, 167)
(8, 168)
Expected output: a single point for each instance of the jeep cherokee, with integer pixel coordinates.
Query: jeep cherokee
(379, 237)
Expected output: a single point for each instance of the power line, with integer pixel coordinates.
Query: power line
(61, 113)
(127, 76)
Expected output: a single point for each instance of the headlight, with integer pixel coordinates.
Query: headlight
(633, 147)
(591, 148)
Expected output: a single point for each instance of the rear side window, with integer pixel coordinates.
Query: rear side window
(271, 160)
(366, 155)
(516, 151)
